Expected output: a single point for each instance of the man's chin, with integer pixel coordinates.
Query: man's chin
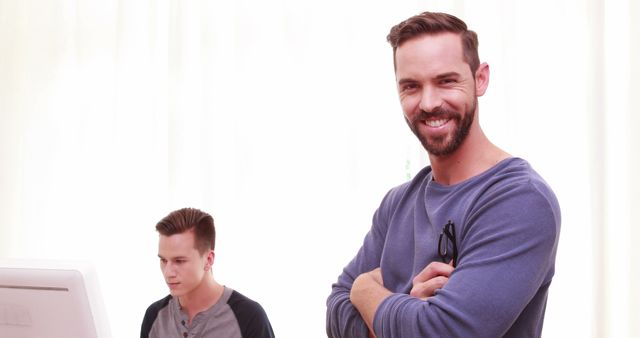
(437, 148)
(175, 291)
(176, 294)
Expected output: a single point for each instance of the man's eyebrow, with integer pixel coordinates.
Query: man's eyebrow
(406, 80)
(177, 257)
(448, 74)
(438, 77)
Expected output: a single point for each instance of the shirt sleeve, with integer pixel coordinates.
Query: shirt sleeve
(506, 259)
(342, 319)
(151, 314)
(252, 318)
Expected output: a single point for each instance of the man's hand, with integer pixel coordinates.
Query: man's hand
(367, 293)
(434, 276)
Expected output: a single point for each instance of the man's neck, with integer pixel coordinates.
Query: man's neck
(202, 298)
(474, 156)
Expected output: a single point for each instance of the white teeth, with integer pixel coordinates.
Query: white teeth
(436, 123)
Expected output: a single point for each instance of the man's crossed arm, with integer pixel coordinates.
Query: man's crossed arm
(368, 291)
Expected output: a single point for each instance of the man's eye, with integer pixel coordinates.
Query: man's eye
(408, 87)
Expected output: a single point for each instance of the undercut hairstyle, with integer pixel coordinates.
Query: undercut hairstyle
(429, 23)
(188, 219)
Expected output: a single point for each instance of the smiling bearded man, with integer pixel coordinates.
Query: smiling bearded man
(467, 247)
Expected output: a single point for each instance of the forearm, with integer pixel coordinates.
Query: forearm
(367, 293)
(353, 303)
(343, 319)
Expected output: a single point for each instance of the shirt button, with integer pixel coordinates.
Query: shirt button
(185, 335)
(183, 322)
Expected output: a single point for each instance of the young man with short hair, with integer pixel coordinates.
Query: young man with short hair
(198, 306)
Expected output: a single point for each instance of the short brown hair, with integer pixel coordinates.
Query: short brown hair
(186, 219)
(433, 23)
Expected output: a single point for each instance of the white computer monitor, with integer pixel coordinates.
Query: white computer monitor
(50, 299)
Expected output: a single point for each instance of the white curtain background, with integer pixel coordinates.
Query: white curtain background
(281, 119)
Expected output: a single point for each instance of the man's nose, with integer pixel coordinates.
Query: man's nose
(168, 270)
(430, 99)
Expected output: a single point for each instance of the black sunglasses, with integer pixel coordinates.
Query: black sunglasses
(448, 234)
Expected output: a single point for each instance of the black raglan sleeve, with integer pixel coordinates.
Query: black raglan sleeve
(251, 317)
(151, 314)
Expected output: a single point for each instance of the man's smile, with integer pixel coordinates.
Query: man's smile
(436, 123)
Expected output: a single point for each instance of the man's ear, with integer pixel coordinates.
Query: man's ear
(482, 79)
(210, 258)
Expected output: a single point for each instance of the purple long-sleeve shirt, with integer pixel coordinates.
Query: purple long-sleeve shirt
(507, 223)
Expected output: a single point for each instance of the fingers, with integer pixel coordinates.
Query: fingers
(432, 270)
(433, 277)
(423, 290)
